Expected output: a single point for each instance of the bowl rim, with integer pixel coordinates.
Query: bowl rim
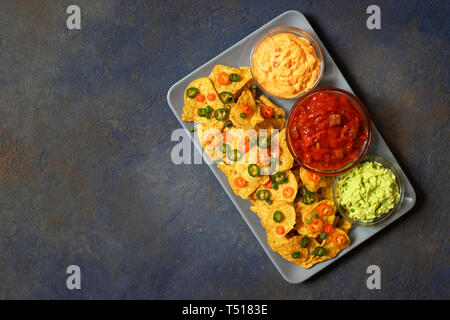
(384, 217)
(364, 149)
(297, 32)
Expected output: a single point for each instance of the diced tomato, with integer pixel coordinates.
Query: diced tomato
(308, 140)
(245, 108)
(294, 133)
(240, 182)
(335, 120)
(328, 229)
(199, 97)
(338, 153)
(280, 230)
(338, 239)
(288, 192)
(224, 78)
(211, 96)
(324, 209)
(315, 225)
(267, 112)
(354, 129)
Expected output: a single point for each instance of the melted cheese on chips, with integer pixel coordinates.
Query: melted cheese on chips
(237, 171)
(266, 213)
(233, 87)
(242, 140)
(279, 194)
(212, 141)
(192, 106)
(309, 212)
(285, 156)
(250, 120)
(311, 185)
(275, 121)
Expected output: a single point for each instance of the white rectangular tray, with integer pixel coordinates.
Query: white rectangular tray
(239, 55)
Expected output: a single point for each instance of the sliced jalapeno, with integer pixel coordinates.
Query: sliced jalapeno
(279, 178)
(205, 112)
(225, 148)
(320, 251)
(278, 216)
(202, 112)
(263, 142)
(191, 92)
(303, 190)
(234, 155)
(228, 124)
(300, 193)
(226, 97)
(308, 197)
(220, 114)
(253, 170)
(243, 115)
(304, 242)
(253, 87)
(263, 194)
(295, 255)
(234, 77)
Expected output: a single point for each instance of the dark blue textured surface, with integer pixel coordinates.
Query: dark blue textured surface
(85, 170)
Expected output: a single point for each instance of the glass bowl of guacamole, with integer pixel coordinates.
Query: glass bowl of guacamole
(370, 193)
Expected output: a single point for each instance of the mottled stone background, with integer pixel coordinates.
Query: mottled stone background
(85, 170)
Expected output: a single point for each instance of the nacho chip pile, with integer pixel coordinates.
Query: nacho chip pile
(245, 135)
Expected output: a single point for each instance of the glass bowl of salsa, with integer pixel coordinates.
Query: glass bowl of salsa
(329, 131)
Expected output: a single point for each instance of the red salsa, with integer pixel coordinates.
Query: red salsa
(327, 131)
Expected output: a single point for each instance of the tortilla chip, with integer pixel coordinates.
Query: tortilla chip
(309, 212)
(274, 121)
(285, 156)
(233, 87)
(192, 106)
(331, 249)
(289, 247)
(249, 85)
(245, 142)
(266, 213)
(211, 140)
(277, 194)
(250, 121)
(343, 225)
(327, 191)
(314, 186)
(233, 171)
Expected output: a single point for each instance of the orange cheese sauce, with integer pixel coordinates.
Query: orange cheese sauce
(285, 65)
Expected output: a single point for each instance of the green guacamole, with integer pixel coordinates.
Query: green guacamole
(367, 191)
